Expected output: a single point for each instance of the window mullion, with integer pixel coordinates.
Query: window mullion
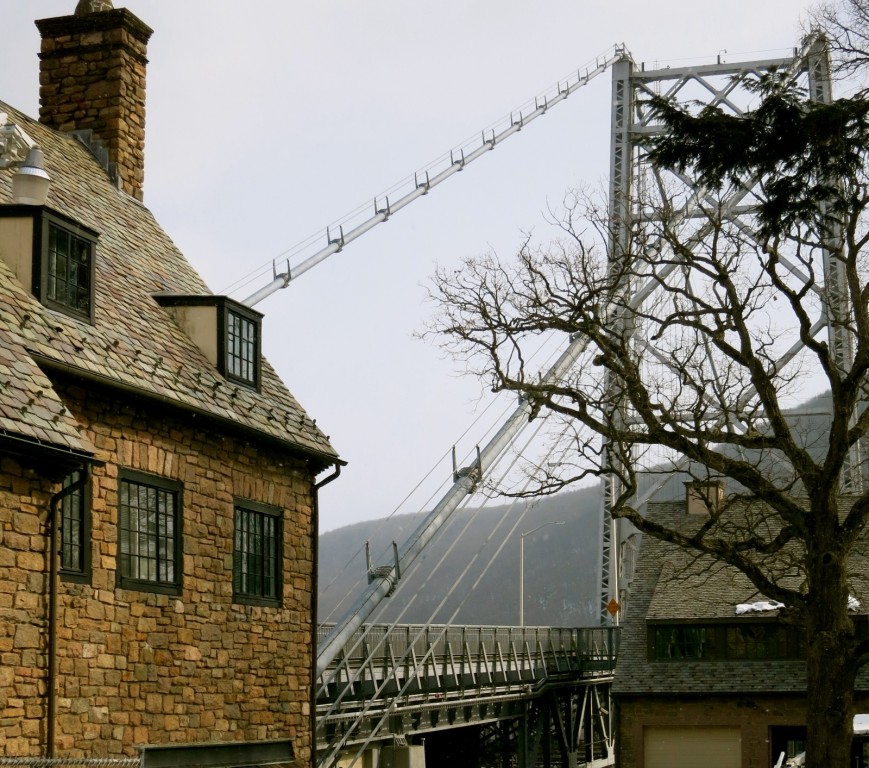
(257, 557)
(149, 520)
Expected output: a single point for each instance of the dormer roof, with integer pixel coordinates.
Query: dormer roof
(133, 345)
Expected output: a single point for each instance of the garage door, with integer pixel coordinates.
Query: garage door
(692, 748)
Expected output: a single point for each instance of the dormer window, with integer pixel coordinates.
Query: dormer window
(52, 255)
(241, 361)
(67, 271)
(227, 333)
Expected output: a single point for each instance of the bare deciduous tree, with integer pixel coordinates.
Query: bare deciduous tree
(701, 330)
(846, 25)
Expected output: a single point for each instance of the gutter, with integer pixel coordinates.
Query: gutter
(51, 715)
(38, 449)
(315, 589)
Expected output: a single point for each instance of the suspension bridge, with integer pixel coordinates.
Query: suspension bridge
(402, 683)
(530, 695)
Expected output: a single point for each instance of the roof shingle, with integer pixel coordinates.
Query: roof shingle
(672, 585)
(134, 343)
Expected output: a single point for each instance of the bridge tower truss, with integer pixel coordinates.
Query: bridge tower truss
(638, 197)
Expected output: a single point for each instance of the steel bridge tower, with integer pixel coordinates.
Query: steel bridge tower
(363, 681)
(636, 193)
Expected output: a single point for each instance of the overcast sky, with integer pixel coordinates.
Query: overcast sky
(268, 120)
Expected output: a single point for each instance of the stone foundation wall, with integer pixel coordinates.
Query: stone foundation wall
(140, 668)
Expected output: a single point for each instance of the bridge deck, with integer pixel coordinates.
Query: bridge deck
(417, 678)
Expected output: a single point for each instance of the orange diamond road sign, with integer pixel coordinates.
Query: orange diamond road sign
(613, 607)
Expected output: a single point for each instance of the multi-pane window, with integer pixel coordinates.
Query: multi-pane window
(242, 349)
(149, 533)
(763, 641)
(74, 528)
(256, 566)
(749, 641)
(681, 642)
(791, 739)
(68, 271)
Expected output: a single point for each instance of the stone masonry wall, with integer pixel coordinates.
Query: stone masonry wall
(24, 499)
(140, 668)
(92, 76)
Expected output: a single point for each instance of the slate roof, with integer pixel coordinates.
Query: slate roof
(671, 585)
(134, 344)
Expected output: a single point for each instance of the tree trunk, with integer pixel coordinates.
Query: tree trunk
(830, 667)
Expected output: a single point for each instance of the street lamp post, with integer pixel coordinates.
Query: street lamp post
(522, 567)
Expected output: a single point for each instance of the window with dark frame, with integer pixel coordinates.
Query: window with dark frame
(762, 641)
(68, 273)
(257, 554)
(681, 642)
(790, 739)
(64, 264)
(749, 641)
(242, 348)
(149, 533)
(74, 544)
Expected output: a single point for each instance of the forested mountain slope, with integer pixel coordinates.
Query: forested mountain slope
(561, 562)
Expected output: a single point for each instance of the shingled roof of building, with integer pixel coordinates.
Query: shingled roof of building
(134, 344)
(671, 585)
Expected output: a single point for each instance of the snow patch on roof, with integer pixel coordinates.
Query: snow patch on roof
(758, 607)
(772, 605)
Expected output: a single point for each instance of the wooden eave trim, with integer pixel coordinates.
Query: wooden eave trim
(206, 300)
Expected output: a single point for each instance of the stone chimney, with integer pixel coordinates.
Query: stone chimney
(92, 79)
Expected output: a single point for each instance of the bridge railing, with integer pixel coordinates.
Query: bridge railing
(381, 659)
(591, 642)
(389, 672)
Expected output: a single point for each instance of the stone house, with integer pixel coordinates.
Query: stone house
(158, 482)
(700, 682)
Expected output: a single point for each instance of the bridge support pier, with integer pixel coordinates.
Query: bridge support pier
(385, 756)
(370, 758)
(402, 757)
